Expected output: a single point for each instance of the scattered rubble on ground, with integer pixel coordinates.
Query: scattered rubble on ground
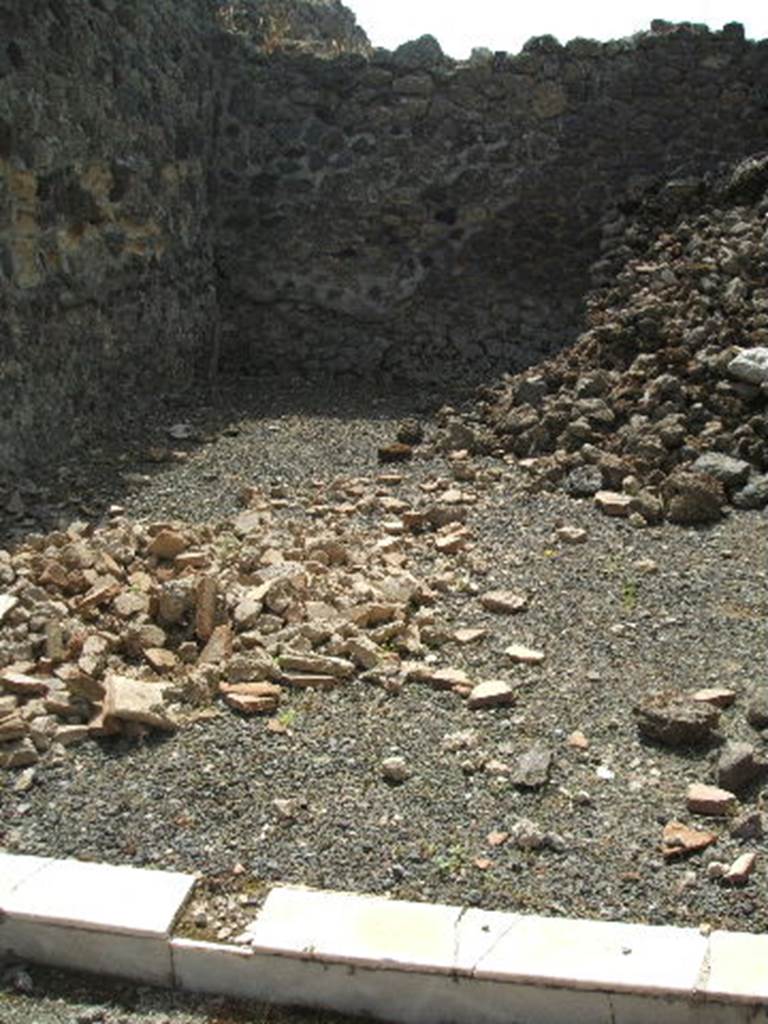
(130, 626)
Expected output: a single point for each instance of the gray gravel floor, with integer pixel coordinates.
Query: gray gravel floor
(203, 799)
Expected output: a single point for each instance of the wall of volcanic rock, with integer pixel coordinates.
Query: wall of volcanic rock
(177, 175)
(404, 215)
(106, 288)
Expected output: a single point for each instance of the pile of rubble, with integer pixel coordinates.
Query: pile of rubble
(661, 407)
(128, 627)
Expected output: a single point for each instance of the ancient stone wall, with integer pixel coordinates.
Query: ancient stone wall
(106, 287)
(185, 184)
(404, 215)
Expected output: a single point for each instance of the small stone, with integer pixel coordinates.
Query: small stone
(678, 840)
(754, 495)
(166, 544)
(693, 499)
(497, 838)
(102, 592)
(251, 704)
(729, 471)
(160, 659)
(577, 740)
(612, 503)
(571, 535)
(7, 603)
(465, 739)
(605, 773)
(533, 767)
(757, 709)
(712, 800)
(490, 694)
(750, 365)
(25, 781)
(583, 482)
(441, 678)
(527, 835)
(133, 700)
(12, 727)
(738, 873)
(24, 685)
(718, 696)
(716, 869)
(219, 646)
(752, 825)
(395, 770)
(192, 560)
(68, 735)
(470, 635)
(738, 765)
(524, 655)
(410, 432)
(504, 602)
(260, 689)
(205, 607)
(130, 603)
(18, 754)
(316, 664)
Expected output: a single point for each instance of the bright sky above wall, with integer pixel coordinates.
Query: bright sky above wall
(506, 24)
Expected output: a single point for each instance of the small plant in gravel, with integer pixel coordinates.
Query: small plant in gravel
(453, 861)
(629, 595)
(287, 717)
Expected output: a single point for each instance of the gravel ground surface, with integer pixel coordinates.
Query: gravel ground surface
(628, 612)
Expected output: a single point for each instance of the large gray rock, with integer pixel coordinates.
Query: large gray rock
(750, 365)
(754, 495)
(729, 471)
(676, 721)
(693, 499)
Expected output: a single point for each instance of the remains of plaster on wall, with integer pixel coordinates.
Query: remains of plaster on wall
(24, 234)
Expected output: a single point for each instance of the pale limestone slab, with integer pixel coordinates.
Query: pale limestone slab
(137, 957)
(391, 995)
(630, 1008)
(738, 968)
(353, 929)
(100, 897)
(478, 932)
(16, 868)
(598, 955)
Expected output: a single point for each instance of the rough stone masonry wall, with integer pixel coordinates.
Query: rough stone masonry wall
(404, 215)
(106, 288)
(346, 209)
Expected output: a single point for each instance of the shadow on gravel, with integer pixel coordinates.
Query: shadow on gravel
(104, 472)
(50, 997)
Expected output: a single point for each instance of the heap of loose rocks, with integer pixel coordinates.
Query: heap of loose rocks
(660, 410)
(129, 626)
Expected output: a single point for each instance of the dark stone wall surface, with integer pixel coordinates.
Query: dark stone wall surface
(248, 185)
(407, 216)
(106, 284)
